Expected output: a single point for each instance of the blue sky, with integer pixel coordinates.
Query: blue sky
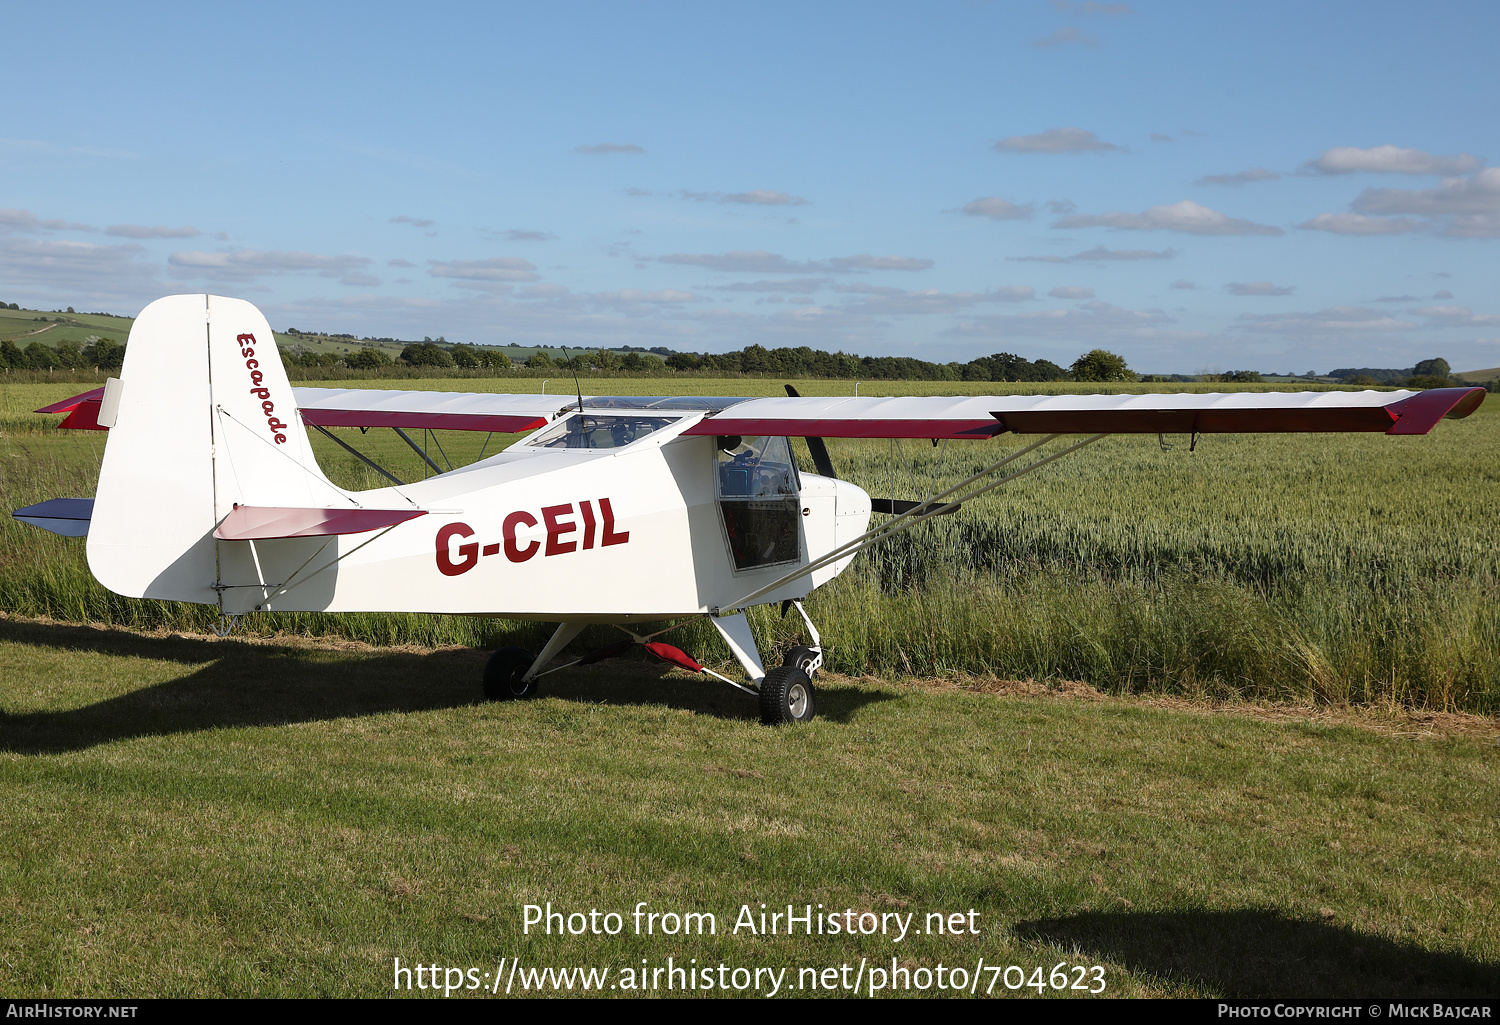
(1274, 186)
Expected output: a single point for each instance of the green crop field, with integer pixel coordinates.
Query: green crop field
(1253, 751)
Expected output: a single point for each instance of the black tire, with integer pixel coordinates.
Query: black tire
(802, 658)
(502, 675)
(786, 695)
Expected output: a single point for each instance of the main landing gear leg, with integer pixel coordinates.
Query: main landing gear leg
(786, 691)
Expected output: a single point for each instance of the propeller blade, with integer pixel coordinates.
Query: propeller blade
(815, 446)
(895, 507)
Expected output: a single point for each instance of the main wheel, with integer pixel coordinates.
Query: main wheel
(803, 658)
(786, 695)
(503, 672)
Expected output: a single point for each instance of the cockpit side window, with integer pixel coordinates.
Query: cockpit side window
(758, 498)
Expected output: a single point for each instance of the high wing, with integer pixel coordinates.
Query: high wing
(977, 417)
(430, 410)
(1401, 412)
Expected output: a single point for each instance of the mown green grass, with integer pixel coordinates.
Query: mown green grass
(189, 817)
(1346, 568)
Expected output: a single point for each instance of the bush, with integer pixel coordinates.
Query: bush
(106, 354)
(426, 354)
(368, 359)
(1102, 365)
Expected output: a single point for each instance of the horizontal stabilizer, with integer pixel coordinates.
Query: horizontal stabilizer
(257, 523)
(82, 410)
(66, 516)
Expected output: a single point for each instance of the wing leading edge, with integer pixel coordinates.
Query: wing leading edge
(982, 416)
(1400, 412)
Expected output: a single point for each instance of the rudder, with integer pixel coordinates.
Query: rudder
(206, 420)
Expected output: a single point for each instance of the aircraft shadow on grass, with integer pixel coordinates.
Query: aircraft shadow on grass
(235, 683)
(1261, 952)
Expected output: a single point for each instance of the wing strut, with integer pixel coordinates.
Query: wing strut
(934, 506)
(357, 454)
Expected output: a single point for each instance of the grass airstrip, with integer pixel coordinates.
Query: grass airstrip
(1261, 757)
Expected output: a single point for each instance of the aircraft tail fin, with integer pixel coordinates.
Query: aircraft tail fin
(205, 421)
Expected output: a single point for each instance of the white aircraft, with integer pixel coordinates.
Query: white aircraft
(616, 510)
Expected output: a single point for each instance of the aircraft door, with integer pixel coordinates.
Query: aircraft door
(758, 501)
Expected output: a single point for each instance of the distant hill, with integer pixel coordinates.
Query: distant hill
(55, 327)
(1478, 376)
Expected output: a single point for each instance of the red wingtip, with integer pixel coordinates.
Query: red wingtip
(1419, 413)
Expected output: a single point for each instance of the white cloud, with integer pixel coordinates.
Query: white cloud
(497, 270)
(798, 286)
(1337, 322)
(1257, 288)
(865, 261)
(758, 261)
(545, 290)
(1065, 35)
(1055, 140)
(1182, 283)
(1469, 207)
(1187, 217)
(25, 220)
(1454, 316)
(1359, 224)
(415, 222)
(1479, 193)
(1161, 137)
(1254, 174)
(997, 209)
(39, 146)
(1071, 292)
(764, 197)
(606, 148)
(76, 268)
(141, 231)
(755, 197)
(1391, 160)
(661, 296)
(250, 264)
(754, 261)
(895, 302)
(516, 235)
(399, 263)
(1090, 7)
(1099, 254)
(1092, 323)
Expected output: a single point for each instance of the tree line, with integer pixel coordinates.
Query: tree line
(104, 353)
(795, 362)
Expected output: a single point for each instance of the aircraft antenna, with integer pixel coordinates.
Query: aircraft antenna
(576, 385)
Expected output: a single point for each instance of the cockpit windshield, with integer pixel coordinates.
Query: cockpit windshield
(588, 430)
